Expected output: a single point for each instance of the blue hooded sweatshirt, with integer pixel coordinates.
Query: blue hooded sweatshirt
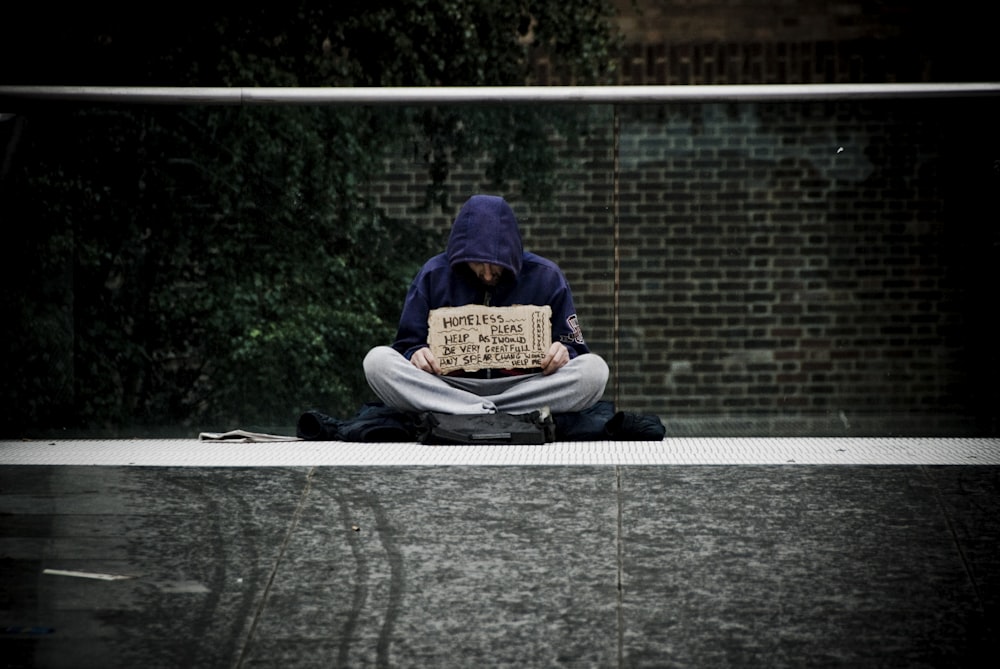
(486, 231)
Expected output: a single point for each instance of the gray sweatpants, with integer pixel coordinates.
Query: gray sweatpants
(574, 387)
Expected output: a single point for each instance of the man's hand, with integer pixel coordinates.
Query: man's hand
(423, 359)
(557, 356)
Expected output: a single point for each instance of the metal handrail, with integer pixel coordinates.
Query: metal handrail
(253, 96)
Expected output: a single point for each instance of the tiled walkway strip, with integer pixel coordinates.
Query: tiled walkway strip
(670, 451)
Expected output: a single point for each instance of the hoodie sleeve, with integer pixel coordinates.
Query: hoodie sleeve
(412, 332)
(433, 287)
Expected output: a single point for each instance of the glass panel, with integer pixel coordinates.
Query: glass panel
(745, 268)
(822, 268)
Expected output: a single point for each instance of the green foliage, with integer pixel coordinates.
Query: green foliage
(218, 267)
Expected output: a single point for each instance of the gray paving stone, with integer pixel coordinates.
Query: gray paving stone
(527, 566)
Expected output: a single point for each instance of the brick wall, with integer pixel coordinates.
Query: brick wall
(805, 41)
(766, 63)
(769, 271)
(651, 21)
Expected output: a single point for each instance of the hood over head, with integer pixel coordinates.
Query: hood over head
(486, 231)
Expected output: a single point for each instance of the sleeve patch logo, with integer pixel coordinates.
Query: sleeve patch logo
(576, 334)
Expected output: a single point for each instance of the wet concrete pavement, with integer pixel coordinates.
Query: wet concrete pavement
(513, 566)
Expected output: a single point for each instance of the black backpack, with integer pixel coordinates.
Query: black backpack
(536, 427)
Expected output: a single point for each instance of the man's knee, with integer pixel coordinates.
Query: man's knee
(594, 367)
(594, 372)
(378, 361)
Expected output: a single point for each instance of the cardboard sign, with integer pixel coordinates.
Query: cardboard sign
(478, 337)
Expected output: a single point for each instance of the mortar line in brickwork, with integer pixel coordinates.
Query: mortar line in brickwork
(616, 231)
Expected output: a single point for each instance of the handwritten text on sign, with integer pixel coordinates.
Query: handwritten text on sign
(477, 337)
